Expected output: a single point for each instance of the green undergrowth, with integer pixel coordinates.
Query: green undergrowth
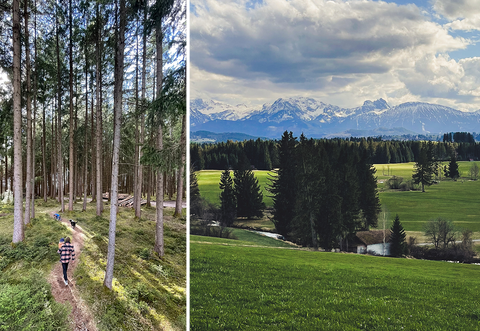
(149, 293)
(250, 288)
(26, 302)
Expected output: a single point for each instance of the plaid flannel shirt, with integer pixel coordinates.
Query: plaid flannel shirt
(66, 251)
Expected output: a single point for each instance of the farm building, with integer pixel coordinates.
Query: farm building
(372, 242)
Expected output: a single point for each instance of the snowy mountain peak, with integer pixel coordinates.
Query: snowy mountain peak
(379, 104)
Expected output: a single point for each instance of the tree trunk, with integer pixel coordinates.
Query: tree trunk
(98, 133)
(159, 246)
(183, 141)
(70, 159)
(136, 197)
(18, 234)
(85, 164)
(53, 161)
(314, 234)
(138, 189)
(59, 125)
(28, 183)
(93, 161)
(32, 204)
(119, 64)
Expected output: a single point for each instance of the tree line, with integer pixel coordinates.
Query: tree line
(97, 103)
(264, 154)
(323, 191)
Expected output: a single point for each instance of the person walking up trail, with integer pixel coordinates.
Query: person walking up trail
(66, 252)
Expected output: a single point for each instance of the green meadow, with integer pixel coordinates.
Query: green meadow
(458, 200)
(208, 181)
(236, 287)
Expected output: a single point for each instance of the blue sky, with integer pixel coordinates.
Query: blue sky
(339, 52)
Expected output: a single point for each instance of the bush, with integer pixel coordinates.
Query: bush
(446, 254)
(212, 231)
(394, 182)
(406, 186)
(441, 232)
(29, 305)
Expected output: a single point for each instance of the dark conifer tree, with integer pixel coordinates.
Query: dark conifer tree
(397, 239)
(425, 167)
(195, 198)
(310, 186)
(369, 202)
(282, 185)
(228, 203)
(452, 169)
(248, 193)
(349, 188)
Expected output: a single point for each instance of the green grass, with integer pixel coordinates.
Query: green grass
(149, 293)
(208, 181)
(248, 288)
(26, 302)
(244, 237)
(454, 200)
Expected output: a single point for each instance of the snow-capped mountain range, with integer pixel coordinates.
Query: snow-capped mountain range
(316, 119)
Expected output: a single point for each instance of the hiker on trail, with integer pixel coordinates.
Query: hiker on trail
(66, 252)
(61, 242)
(57, 217)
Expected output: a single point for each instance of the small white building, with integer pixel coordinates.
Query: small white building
(375, 242)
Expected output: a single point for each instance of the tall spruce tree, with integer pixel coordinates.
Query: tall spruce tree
(282, 185)
(397, 239)
(369, 202)
(425, 167)
(452, 170)
(247, 192)
(309, 182)
(228, 205)
(195, 198)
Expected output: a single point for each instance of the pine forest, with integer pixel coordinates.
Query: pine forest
(93, 131)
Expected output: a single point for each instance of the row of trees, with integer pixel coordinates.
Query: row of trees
(323, 191)
(459, 137)
(240, 196)
(427, 167)
(261, 154)
(83, 82)
(264, 154)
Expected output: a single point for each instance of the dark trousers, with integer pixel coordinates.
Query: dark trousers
(65, 267)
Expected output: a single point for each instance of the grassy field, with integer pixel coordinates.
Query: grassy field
(243, 238)
(454, 200)
(252, 288)
(208, 181)
(149, 293)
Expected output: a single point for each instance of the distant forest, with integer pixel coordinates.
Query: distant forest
(264, 154)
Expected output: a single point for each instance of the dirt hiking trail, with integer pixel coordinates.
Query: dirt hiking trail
(80, 318)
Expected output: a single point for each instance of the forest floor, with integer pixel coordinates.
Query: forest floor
(80, 318)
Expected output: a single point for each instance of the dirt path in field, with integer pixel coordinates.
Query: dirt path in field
(80, 318)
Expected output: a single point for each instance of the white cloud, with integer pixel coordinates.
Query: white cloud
(454, 9)
(340, 52)
(463, 14)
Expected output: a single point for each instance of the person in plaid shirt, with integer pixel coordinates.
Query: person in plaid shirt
(66, 252)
